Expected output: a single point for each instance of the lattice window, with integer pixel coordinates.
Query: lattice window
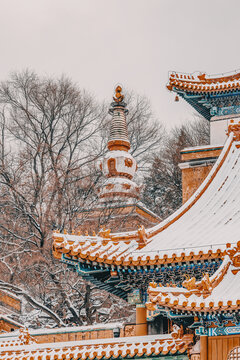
(234, 354)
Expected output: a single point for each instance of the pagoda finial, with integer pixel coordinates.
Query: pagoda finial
(118, 94)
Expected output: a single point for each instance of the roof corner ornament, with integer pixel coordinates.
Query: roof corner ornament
(189, 283)
(204, 286)
(150, 305)
(234, 127)
(104, 233)
(142, 237)
(202, 77)
(234, 254)
(177, 332)
(118, 95)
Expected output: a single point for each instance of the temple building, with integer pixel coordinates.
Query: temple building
(217, 99)
(182, 274)
(118, 206)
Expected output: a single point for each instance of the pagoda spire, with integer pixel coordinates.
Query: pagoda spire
(118, 139)
(118, 165)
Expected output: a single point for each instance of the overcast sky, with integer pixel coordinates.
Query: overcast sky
(99, 43)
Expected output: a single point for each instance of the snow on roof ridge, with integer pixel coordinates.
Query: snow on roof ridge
(202, 75)
(78, 328)
(44, 331)
(69, 344)
(200, 147)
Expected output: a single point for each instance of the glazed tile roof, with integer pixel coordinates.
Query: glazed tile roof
(199, 229)
(220, 292)
(152, 345)
(202, 83)
(23, 338)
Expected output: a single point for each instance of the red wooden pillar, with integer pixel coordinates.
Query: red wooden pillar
(204, 347)
(141, 320)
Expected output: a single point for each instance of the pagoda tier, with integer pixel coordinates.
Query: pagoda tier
(209, 95)
(193, 239)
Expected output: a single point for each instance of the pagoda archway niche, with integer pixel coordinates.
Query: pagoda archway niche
(112, 166)
(234, 354)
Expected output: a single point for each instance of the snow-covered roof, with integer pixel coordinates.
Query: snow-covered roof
(201, 148)
(199, 229)
(220, 292)
(101, 348)
(23, 338)
(202, 83)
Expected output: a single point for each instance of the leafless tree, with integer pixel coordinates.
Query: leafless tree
(50, 141)
(163, 186)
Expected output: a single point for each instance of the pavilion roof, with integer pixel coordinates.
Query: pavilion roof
(198, 230)
(203, 83)
(124, 347)
(220, 292)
